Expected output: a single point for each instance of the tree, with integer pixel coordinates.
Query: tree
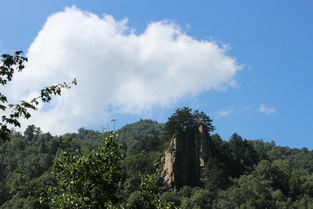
(94, 180)
(249, 191)
(91, 180)
(214, 175)
(200, 199)
(147, 195)
(244, 155)
(277, 173)
(184, 120)
(32, 131)
(9, 64)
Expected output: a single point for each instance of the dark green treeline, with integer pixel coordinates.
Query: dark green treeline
(240, 173)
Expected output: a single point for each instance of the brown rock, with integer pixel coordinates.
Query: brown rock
(186, 155)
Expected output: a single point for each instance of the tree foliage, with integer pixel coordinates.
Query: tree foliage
(81, 165)
(185, 120)
(9, 64)
(87, 181)
(147, 195)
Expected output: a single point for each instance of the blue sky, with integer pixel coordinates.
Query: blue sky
(270, 40)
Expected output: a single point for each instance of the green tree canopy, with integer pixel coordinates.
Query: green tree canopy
(185, 119)
(90, 181)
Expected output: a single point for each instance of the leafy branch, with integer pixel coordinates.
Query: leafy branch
(8, 65)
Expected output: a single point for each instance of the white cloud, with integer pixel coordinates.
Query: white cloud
(266, 109)
(116, 68)
(223, 113)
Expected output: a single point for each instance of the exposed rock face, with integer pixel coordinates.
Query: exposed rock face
(186, 155)
(169, 159)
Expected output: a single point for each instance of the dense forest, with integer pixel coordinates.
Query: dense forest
(121, 169)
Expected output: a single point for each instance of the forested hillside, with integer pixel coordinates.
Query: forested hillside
(240, 173)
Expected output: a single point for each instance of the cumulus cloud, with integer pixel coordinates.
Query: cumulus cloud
(116, 68)
(266, 109)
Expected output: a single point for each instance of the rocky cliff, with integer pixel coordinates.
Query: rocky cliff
(186, 155)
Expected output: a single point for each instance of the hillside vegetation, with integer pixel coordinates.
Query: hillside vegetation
(36, 168)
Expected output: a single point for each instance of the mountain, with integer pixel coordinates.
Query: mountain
(206, 171)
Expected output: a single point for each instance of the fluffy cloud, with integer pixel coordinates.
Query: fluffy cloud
(116, 68)
(266, 109)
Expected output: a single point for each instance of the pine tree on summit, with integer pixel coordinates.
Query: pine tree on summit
(184, 120)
